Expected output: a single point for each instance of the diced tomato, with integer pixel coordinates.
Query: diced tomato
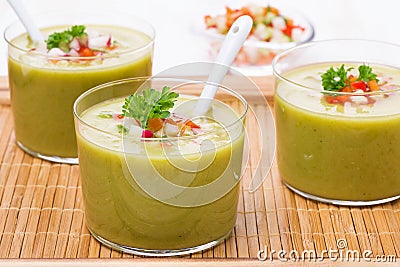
(352, 78)
(288, 31)
(359, 85)
(340, 99)
(120, 116)
(191, 124)
(373, 85)
(155, 124)
(347, 89)
(86, 52)
(233, 14)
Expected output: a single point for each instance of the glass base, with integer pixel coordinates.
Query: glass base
(48, 158)
(343, 202)
(156, 252)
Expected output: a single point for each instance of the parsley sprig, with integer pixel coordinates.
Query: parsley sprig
(337, 79)
(334, 80)
(365, 74)
(62, 39)
(150, 104)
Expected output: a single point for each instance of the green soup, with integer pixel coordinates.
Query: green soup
(127, 200)
(345, 152)
(43, 91)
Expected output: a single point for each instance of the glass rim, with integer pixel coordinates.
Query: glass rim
(149, 78)
(283, 54)
(17, 23)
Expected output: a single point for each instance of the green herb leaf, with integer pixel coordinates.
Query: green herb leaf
(334, 80)
(104, 115)
(150, 104)
(366, 74)
(122, 129)
(62, 39)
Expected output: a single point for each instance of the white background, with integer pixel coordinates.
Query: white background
(177, 42)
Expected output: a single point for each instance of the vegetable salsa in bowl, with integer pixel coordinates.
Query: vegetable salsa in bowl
(274, 30)
(337, 121)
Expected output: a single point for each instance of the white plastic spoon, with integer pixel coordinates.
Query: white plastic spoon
(231, 45)
(26, 20)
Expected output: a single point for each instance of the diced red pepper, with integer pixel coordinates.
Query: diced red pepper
(147, 134)
(359, 85)
(340, 99)
(191, 124)
(86, 52)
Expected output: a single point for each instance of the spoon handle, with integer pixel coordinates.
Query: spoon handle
(231, 45)
(26, 20)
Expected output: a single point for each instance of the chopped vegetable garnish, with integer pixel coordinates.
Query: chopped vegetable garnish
(269, 24)
(150, 104)
(151, 113)
(63, 39)
(340, 80)
(105, 115)
(75, 42)
(122, 129)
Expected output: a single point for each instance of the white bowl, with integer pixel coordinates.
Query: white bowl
(256, 56)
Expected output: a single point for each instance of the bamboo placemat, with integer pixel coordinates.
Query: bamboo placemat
(42, 217)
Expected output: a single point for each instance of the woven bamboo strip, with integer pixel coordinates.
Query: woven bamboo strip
(231, 247)
(327, 225)
(282, 215)
(249, 201)
(84, 241)
(94, 248)
(271, 214)
(6, 143)
(35, 212)
(280, 204)
(56, 212)
(77, 221)
(197, 255)
(293, 221)
(396, 211)
(337, 224)
(6, 159)
(32, 167)
(359, 225)
(84, 238)
(261, 216)
(255, 201)
(6, 126)
(349, 230)
(305, 224)
(393, 225)
(105, 252)
(208, 254)
(66, 216)
(45, 214)
(383, 230)
(240, 226)
(372, 231)
(317, 231)
(220, 251)
(12, 199)
(240, 229)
